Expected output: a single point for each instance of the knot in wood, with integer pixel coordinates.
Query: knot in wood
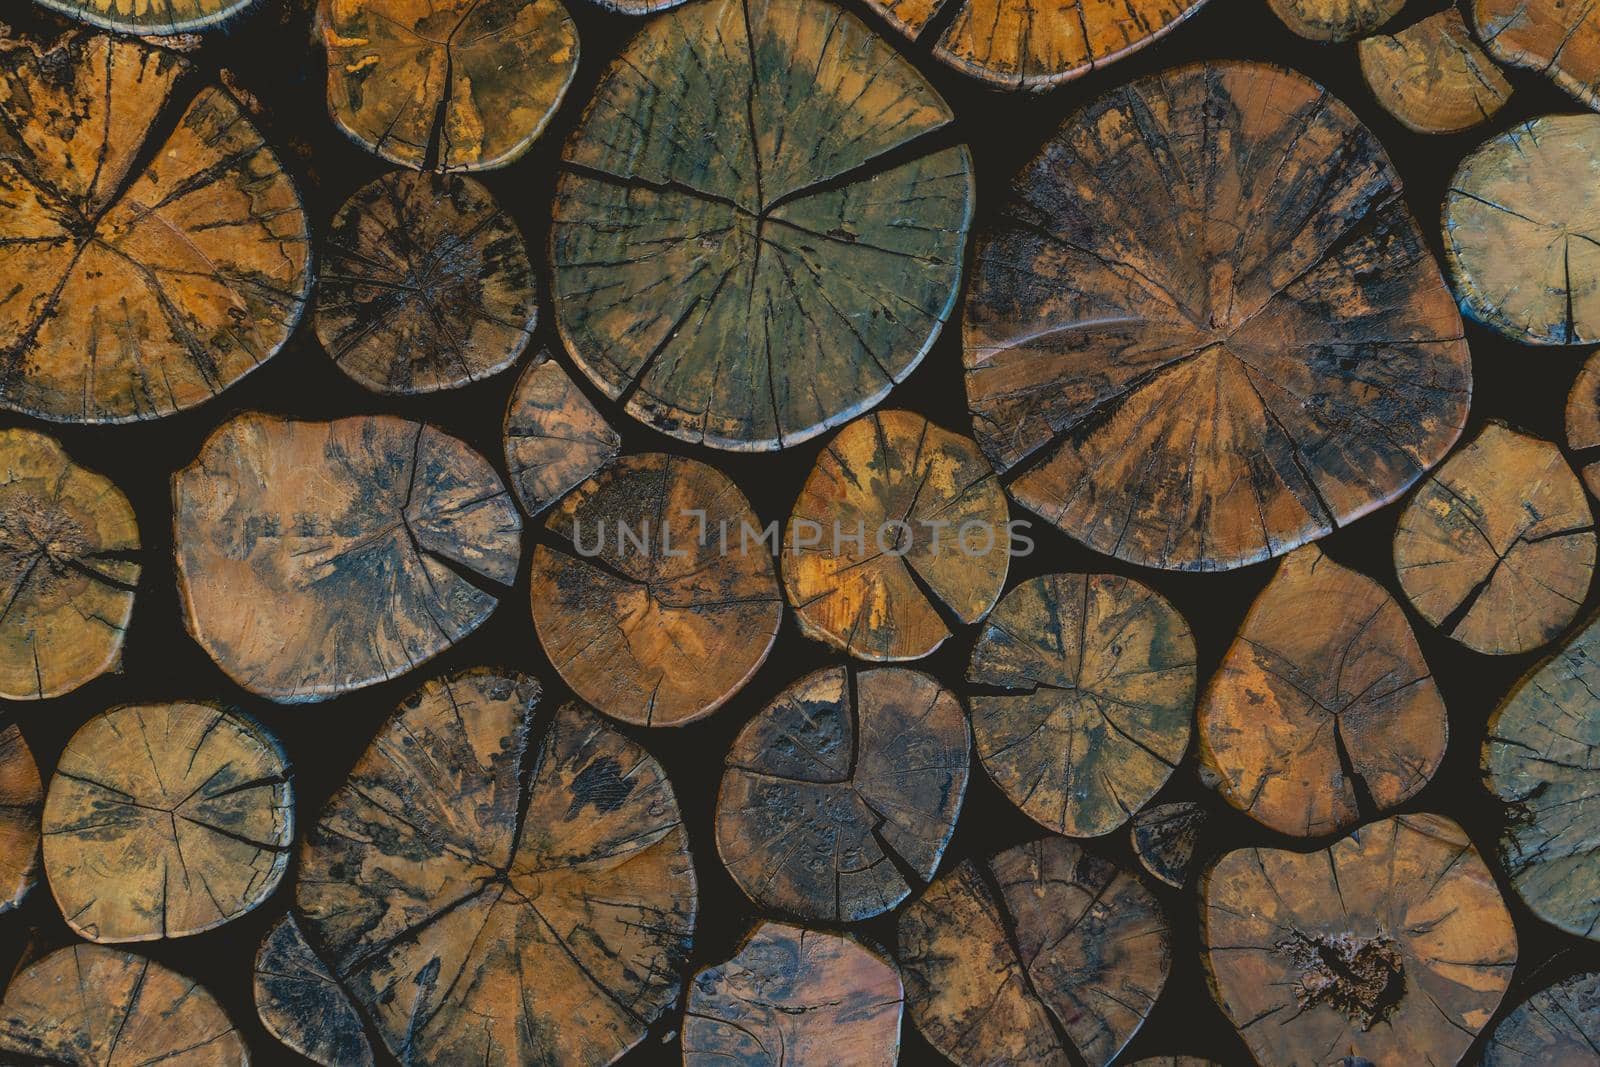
(1363, 977)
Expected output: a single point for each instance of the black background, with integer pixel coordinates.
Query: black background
(269, 53)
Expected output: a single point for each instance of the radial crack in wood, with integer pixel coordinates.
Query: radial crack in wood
(899, 534)
(1497, 548)
(667, 602)
(151, 18)
(1583, 421)
(756, 234)
(1085, 688)
(795, 996)
(315, 558)
(1335, 20)
(1042, 954)
(1556, 1027)
(21, 801)
(840, 796)
(136, 279)
(1390, 947)
(1205, 329)
(555, 438)
(302, 1004)
(425, 285)
(1558, 38)
(1323, 711)
(1432, 76)
(1165, 838)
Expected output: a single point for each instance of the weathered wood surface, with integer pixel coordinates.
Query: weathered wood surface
(1335, 20)
(91, 1005)
(1205, 328)
(451, 85)
(1556, 1027)
(1323, 711)
(555, 438)
(754, 238)
(1013, 44)
(795, 996)
(663, 609)
(21, 800)
(495, 889)
(318, 557)
(1165, 838)
(131, 288)
(151, 18)
(898, 534)
(1541, 756)
(1042, 954)
(425, 285)
(1558, 38)
(165, 820)
(1390, 947)
(1084, 689)
(840, 796)
(67, 569)
(1583, 421)
(1497, 548)
(1522, 231)
(302, 1004)
(1432, 76)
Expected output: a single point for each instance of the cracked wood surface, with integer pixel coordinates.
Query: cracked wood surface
(495, 888)
(425, 285)
(21, 801)
(1335, 20)
(92, 1006)
(1323, 711)
(1541, 756)
(1558, 38)
(840, 796)
(1205, 329)
(1497, 548)
(1556, 1027)
(758, 229)
(450, 85)
(137, 279)
(1042, 954)
(1084, 688)
(1583, 421)
(555, 438)
(302, 1004)
(165, 820)
(1522, 231)
(151, 18)
(1165, 837)
(68, 569)
(1390, 947)
(795, 996)
(1432, 76)
(898, 536)
(663, 608)
(315, 558)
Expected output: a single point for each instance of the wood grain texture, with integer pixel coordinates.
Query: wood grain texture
(755, 233)
(1390, 947)
(88, 1006)
(131, 289)
(1042, 954)
(1558, 38)
(1165, 837)
(898, 535)
(1204, 328)
(1084, 689)
(498, 889)
(1583, 421)
(662, 610)
(555, 438)
(1323, 711)
(1497, 548)
(150, 18)
(319, 557)
(1432, 76)
(795, 996)
(1522, 231)
(21, 801)
(1335, 20)
(68, 569)
(452, 85)
(425, 285)
(302, 1004)
(1540, 756)
(840, 796)
(1556, 1027)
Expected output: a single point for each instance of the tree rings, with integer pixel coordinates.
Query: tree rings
(150, 18)
(1432, 76)
(555, 439)
(301, 1003)
(1556, 1027)
(1557, 38)
(21, 801)
(1335, 20)
(1164, 838)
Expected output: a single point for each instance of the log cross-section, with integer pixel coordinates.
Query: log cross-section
(1432, 76)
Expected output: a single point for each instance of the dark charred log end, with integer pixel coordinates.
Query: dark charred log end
(1362, 977)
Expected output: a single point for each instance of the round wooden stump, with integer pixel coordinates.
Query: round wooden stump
(497, 890)
(1432, 76)
(755, 238)
(840, 796)
(21, 801)
(301, 1003)
(555, 439)
(425, 285)
(1164, 838)
(315, 558)
(1042, 954)
(1557, 38)
(1392, 946)
(152, 18)
(1583, 422)
(67, 569)
(1556, 1027)
(664, 608)
(1205, 329)
(899, 534)
(1335, 20)
(1085, 690)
